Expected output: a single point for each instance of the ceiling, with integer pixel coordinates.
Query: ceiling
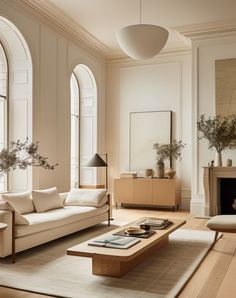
(102, 18)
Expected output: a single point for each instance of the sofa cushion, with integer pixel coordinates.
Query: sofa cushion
(19, 219)
(58, 217)
(46, 199)
(21, 201)
(86, 197)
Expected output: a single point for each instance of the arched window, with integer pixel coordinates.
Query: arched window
(74, 132)
(83, 125)
(3, 109)
(17, 107)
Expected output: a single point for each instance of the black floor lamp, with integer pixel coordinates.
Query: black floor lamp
(96, 161)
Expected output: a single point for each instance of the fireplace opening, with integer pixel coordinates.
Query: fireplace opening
(227, 198)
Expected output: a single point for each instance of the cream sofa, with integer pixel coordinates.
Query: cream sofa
(70, 215)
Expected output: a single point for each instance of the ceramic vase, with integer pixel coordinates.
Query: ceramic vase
(218, 159)
(160, 170)
(229, 163)
(148, 173)
(170, 173)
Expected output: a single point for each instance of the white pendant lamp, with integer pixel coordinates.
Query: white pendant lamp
(142, 41)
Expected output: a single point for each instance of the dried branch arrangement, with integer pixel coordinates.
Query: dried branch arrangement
(21, 155)
(168, 151)
(220, 131)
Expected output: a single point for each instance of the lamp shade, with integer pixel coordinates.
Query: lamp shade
(142, 41)
(96, 161)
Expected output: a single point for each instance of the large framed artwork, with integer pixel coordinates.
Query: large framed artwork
(147, 128)
(225, 75)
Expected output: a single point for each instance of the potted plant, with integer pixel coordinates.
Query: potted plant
(167, 151)
(21, 155)
(220, 131)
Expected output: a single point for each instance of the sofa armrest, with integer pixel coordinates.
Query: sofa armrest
(6, 235)
(63, 196)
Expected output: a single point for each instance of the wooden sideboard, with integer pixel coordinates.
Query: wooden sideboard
(145, 191)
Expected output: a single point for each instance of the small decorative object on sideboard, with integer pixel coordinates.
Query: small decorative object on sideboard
(220, 132)
(170, 173)
(148, 173)
(167, 151)
(128, 175)
(229, 162)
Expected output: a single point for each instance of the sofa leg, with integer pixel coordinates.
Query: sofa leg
(109, 210)
(216, 236)
(13, 247)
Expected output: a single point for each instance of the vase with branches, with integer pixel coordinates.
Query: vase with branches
(220, 131)
(167, 152)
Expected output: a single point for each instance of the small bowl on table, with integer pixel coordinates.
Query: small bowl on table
(135, 231)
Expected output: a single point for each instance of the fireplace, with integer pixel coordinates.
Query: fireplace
(220, 190)
(227, 195)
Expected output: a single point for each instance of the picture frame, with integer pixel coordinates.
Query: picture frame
(147, 128)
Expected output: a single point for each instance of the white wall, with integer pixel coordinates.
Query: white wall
(54, 56)
(205, 52)
(163, 83)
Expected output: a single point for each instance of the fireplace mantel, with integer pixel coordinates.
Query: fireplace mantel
(211, 185)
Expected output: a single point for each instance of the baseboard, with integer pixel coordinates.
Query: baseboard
(185, 203)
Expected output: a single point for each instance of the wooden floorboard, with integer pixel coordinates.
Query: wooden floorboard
(194, 286)
(228, 286)
(215, 277)
(12, 293)
(219, 270)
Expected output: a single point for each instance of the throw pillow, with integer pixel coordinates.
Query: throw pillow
(19, 219)
(46, 199)
(86, 197)
(21, 201)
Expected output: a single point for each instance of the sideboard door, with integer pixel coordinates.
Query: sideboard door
(123, 190)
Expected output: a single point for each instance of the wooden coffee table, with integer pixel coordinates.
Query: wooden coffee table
(117, 262)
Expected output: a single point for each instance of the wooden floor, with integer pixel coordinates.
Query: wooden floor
(215, 277)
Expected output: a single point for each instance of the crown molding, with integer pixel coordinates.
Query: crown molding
(204, 30)
(73, 29)
(68, 25)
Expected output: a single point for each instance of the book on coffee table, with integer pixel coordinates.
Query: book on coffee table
(114, 241)
(157, 223)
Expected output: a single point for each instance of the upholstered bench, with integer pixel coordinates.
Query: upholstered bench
(222, 223)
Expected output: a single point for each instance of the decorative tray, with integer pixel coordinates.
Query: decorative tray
(144, 234)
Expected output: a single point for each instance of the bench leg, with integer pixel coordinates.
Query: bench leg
(13, 247)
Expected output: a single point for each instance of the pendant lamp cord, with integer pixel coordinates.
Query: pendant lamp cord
(140, 8)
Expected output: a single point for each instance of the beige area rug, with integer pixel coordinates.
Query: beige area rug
(48, 270)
